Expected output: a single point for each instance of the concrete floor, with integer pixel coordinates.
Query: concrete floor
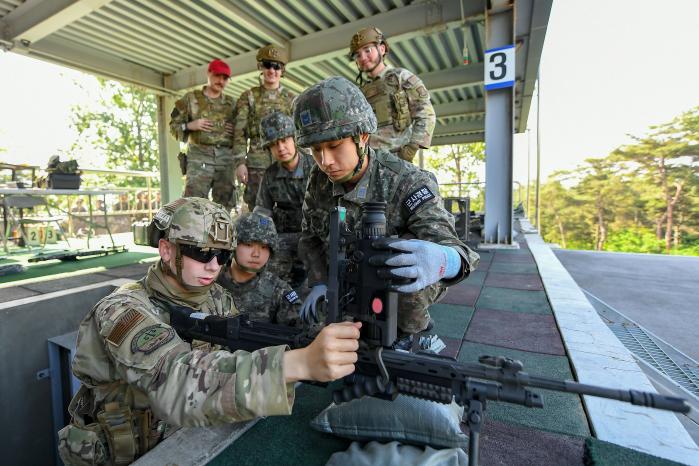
(660, 293)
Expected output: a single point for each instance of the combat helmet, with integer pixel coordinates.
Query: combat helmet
(273, 52)
(370, 35)
(275, 126)
(253, 227)
(191, 221)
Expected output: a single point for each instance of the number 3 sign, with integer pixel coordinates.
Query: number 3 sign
(500, 67)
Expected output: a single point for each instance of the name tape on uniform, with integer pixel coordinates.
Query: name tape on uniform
(418, 197)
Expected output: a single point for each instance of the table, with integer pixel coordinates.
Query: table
(8, 192)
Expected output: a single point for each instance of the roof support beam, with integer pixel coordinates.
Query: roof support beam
(68, 53)
(35, 19)
(399, 24)
(458, 127)
(458, 139)
(249, 20)
(451, 78)
(460, 108)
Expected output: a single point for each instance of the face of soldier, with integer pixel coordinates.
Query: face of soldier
(271, 76)
(194, 273)
(283, 150)
(369, 58)
(337, 159)
(217, 82)
(252, 255)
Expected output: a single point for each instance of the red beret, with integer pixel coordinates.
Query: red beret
(218, 66)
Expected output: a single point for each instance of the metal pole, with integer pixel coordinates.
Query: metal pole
(529, 153)
(538, 150)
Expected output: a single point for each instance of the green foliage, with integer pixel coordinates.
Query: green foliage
(456, 167)
(643, 197)
(123, 126)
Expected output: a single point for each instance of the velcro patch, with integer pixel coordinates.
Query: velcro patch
(418, 197)
(123, 326)
(151, 338)
(292, 297)
(306, 118)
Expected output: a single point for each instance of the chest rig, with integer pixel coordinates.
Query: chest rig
(219, 112)
(389, 101)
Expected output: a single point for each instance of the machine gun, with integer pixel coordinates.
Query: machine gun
(356, 290)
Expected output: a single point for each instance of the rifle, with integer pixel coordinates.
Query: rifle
(356, 290)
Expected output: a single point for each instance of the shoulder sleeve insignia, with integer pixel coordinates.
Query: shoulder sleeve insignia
(151, 338)
(124, 325)
(417, 198)
(291, 296)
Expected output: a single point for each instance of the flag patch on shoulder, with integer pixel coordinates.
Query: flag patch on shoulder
(123, 326)
(417, 198)
(291, 296)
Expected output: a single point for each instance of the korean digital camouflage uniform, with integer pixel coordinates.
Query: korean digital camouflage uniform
(252, 106)
(404, 113)
(281, 192)
(335, 109)
(138, 377)
(266, 297)
(209, 154)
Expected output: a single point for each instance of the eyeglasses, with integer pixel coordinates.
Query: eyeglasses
(204, 255)
(271, 65)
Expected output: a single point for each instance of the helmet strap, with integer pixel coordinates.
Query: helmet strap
(289, 162)
(178, 275)
(361, 153)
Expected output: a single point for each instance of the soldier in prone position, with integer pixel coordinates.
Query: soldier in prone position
(256, 291)
(400, 100)
(139, 377)
(335, 120)
(281, 193)
(204, 119)
(251, 159)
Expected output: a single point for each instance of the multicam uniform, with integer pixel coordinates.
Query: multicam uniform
(335, 109)
(210, 154)
(266, 298)
(403, 110)
(254, 104)
(138, 377)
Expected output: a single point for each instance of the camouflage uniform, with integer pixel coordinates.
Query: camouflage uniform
(252, 106)
(266, 298)
(209, 156)
(138, 377)
(414, 207)
(281, 192)
(401, 103)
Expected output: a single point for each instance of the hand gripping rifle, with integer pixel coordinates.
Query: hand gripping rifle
(356, 291)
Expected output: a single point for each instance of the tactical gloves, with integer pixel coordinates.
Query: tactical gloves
(408, 152)
(421, 262)
(308, 310)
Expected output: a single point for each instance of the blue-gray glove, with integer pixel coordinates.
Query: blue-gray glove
(423, 262)
(308, 309)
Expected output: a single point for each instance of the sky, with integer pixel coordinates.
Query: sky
(608, 69)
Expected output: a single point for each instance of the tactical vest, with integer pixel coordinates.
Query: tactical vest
(219, 112)
(389, 101)
(259, 107)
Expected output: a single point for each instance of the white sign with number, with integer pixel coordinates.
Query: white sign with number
(500, 67)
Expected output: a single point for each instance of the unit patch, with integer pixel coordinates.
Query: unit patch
(151, 338)
(292, 297)
(418, 197)
(123, 326)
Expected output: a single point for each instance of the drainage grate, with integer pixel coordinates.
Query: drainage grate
(643, 346)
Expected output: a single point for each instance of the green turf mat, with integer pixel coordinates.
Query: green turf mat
(513, 267)
(562, 412)
(57, 267)
(600, 453)
(504, 299)
(281, 440)
(450, 321)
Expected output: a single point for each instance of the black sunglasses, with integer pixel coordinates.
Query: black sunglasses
(272, 64)
(205, 255)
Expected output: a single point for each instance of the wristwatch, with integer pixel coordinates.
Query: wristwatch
(184, 127)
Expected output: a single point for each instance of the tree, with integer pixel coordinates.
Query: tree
(123, 126)
(457, 163)
(668, 157)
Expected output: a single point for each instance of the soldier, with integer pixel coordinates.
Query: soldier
(254, 104)
(281, 192)
(138, 377)
(204, 119)
(255, 291)
(400, 101)
(335, 120)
